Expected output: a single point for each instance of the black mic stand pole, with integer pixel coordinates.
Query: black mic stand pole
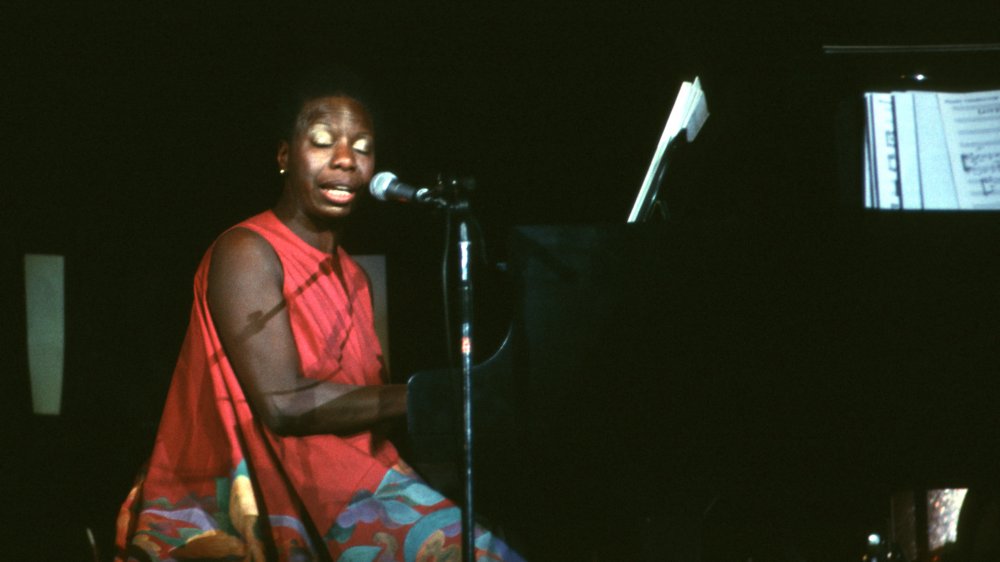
(455, 201)
(465, 287)
(459, 205)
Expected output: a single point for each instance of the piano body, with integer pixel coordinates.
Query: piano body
(657, 375)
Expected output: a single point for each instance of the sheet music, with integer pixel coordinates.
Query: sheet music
(675, 121)
(883, 176)
(936, 179)
(697, 112)
(972, 133)
(689, 112)
(932, 150)
(910, 186)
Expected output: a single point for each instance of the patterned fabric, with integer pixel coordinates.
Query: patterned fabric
(221, 486)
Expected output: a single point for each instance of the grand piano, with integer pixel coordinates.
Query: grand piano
(652, 370)
(730, 388)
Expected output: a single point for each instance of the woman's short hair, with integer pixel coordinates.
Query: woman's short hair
(313, 83)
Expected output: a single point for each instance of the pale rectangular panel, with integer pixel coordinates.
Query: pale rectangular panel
(374, 265)
(45, 306)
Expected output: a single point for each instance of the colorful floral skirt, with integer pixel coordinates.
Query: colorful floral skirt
(403, 520)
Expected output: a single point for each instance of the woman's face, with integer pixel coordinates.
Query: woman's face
(330, 158)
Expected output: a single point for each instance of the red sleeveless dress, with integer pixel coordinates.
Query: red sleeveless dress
(221, 486)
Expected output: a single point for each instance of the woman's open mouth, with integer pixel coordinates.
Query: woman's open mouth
(338, 194)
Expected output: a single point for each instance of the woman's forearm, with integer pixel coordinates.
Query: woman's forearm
(334, 408)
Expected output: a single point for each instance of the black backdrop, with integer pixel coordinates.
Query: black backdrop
(133, 135)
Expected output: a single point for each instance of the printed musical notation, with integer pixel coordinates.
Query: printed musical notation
(972, 125)
(882, 175)
(943, 151)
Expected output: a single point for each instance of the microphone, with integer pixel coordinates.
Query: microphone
(385, 186)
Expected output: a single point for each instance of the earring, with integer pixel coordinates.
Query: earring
(281, 171)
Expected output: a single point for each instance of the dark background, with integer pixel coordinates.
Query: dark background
(132, 136)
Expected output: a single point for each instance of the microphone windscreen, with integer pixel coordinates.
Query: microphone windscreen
(380, 184)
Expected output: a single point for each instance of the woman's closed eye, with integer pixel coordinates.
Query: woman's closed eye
(363, 146)
(320, 137)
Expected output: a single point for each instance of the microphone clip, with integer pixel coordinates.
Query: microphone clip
(453, 191)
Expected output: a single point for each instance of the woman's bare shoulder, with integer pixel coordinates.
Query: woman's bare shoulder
(242, 252)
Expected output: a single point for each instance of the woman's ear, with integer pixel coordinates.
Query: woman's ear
(282, 156)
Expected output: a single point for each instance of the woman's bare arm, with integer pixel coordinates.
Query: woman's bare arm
(250, 314)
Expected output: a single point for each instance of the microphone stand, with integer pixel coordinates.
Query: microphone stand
(465, 288)
(456, 203)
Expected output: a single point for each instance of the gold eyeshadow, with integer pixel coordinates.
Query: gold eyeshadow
(363, 145)
(320, 136)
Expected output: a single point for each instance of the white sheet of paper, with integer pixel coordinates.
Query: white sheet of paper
(935, 169)
(882, 139)
(911, 195)
(971, 123)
